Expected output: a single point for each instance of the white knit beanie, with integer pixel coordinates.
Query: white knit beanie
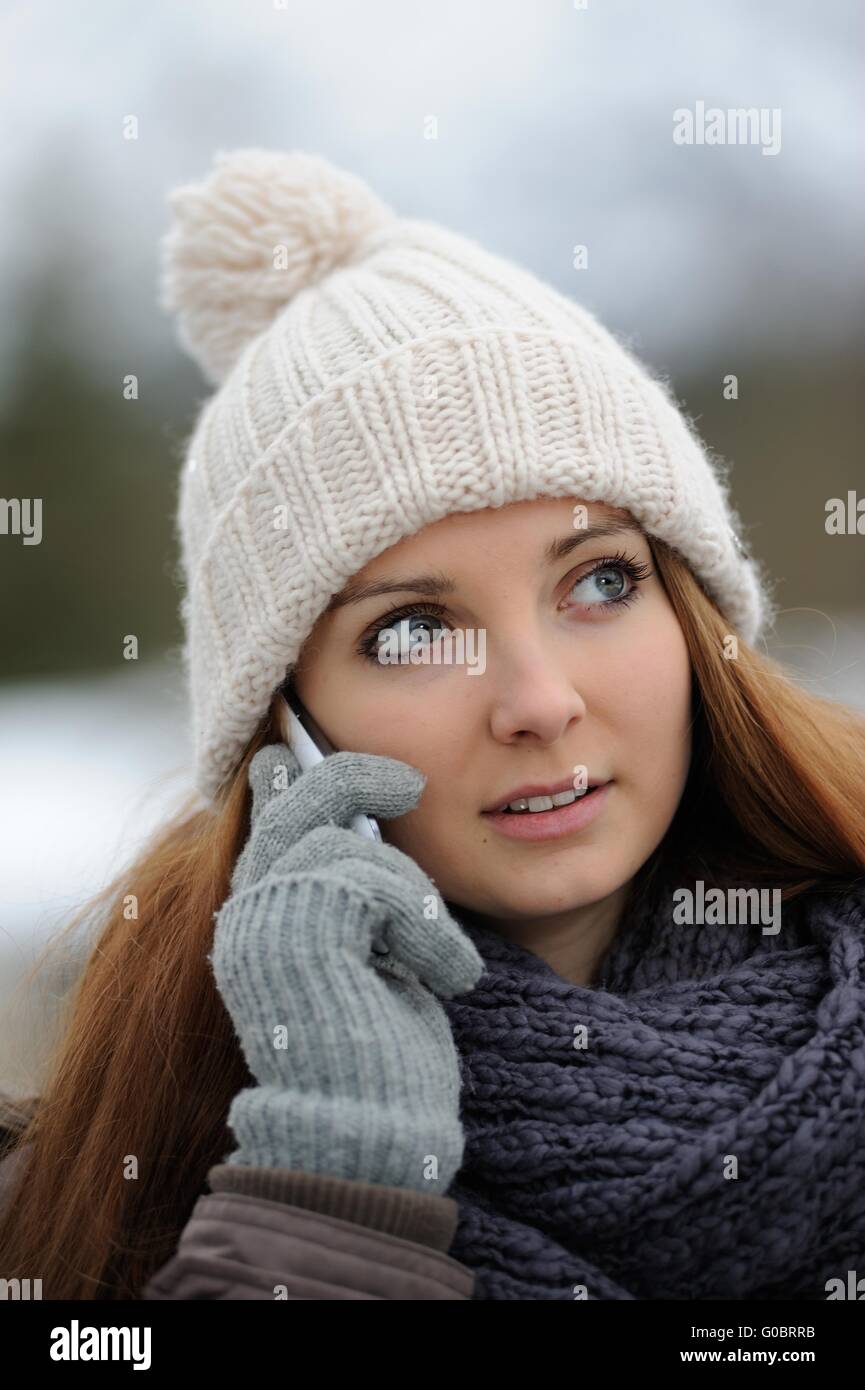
(375, 374)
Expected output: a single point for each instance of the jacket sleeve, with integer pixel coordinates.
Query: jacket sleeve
(274, 1233)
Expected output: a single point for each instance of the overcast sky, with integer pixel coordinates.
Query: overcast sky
(554, 128)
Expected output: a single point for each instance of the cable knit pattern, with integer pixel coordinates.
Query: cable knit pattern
(603, 1168)
(377, 374)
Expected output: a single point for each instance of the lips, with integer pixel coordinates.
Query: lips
(561, 823)
(537, 789)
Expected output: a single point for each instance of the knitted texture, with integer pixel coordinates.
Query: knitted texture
(329, 959)
(604, 1170)
(377, 374)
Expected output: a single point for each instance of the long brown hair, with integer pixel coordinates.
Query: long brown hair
(148, 1061)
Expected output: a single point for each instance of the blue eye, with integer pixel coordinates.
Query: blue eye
(401, 625)
(615, 566)
(610, 567)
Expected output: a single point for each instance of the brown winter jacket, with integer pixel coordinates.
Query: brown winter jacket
(277, 1233)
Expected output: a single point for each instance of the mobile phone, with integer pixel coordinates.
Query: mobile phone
(310, 745)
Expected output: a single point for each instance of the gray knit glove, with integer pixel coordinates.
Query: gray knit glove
(357, 1068)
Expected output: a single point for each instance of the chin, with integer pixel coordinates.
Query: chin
(553, 899)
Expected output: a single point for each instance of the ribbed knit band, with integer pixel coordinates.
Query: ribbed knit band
(410, 374)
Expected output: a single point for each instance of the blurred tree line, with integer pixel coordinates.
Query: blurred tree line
(106, 469)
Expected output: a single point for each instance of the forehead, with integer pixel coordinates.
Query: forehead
(527, 524)
(426, 563)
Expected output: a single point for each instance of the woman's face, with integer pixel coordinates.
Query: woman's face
(565, 678)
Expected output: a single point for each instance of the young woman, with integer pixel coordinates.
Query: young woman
(604, 1044)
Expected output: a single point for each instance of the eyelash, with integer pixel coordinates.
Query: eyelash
(637, 571)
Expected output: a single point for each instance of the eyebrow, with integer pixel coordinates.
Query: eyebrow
(435, 585)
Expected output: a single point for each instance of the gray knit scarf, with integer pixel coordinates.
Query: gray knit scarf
(704, 1138)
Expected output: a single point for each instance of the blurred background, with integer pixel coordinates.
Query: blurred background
(533, 126)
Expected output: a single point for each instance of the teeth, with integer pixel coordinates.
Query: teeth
(542, 803)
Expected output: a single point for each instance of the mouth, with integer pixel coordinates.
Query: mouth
(538, 800)
(550, 821)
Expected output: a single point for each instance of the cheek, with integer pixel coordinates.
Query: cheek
(443, 747)
(436, 746)
(430, 834)
(654, 675)
(654, 717)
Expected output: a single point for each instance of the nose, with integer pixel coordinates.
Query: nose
(533, 694)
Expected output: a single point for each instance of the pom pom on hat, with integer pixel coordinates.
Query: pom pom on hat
(260, 227)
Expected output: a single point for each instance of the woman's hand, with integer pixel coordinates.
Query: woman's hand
(357, 1068)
